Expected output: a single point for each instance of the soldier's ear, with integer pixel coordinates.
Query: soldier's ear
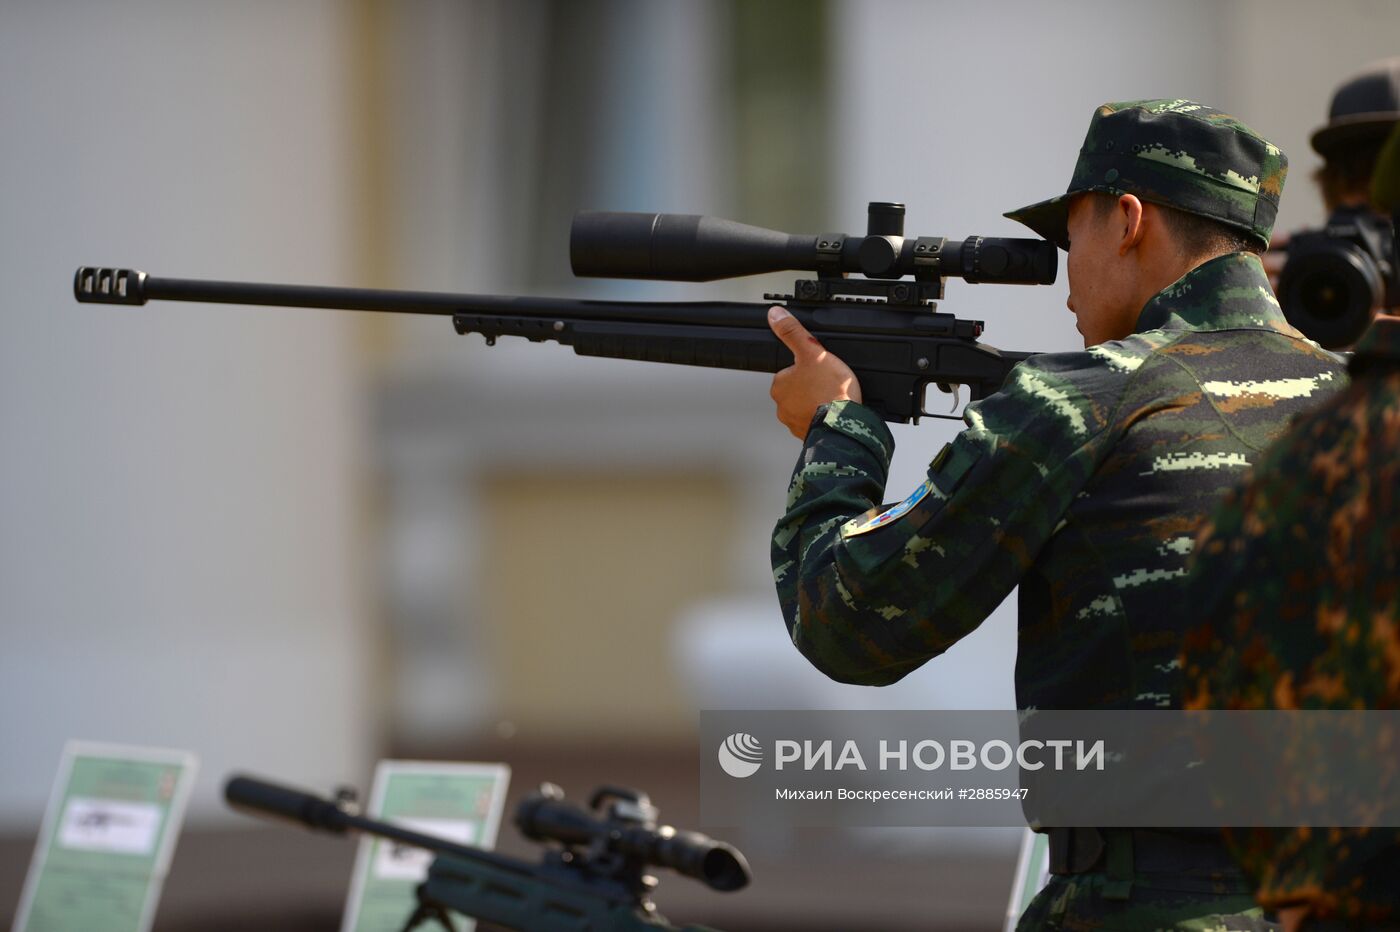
(1129, 217)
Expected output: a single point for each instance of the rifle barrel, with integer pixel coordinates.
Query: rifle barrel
(128, 286)
(284, 802)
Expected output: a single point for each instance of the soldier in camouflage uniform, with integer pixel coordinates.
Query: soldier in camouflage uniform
(1084, 480)
(1297, 587)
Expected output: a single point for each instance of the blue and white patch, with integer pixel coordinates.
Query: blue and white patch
(862, 525)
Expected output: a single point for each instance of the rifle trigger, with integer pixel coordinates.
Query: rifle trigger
(951, 388)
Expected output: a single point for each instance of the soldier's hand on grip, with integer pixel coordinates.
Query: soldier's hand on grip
(815, 378)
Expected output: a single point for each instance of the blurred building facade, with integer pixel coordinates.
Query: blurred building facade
(295, 540)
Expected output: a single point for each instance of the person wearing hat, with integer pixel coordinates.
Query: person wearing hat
(1361, 116)
(1297, 592)
(1083, 481)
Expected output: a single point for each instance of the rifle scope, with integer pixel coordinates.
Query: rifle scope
(693, 248)
(629, 829)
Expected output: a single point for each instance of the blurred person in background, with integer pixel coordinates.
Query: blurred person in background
(1362, 114)
(1083, 481)
(1297, 585)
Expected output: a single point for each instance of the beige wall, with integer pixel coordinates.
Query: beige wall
(587, 574)
(1289, 56)
(181, 535)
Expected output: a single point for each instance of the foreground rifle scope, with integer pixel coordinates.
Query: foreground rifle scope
(692, 248)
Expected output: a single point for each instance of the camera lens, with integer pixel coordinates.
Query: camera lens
(1329, 293)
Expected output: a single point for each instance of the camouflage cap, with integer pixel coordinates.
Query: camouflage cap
(1176, 153)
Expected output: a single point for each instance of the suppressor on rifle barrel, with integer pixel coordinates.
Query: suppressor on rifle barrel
(284, 802)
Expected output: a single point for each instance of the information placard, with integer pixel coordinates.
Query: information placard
(459, 802)
(106, 841)
(1032, 874)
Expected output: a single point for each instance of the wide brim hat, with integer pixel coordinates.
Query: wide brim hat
(1363, 109)
(1176, 153)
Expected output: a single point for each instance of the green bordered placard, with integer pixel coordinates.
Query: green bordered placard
(1032, 873)
(459, 802)
(106, 841)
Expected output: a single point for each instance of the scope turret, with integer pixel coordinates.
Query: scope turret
(694, 248)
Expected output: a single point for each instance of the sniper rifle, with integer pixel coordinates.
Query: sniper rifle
(886, 328)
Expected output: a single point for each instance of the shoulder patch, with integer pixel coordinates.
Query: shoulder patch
(869, 522)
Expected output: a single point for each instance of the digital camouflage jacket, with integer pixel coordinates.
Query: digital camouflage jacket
(1084, 480)
(1298, 586)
